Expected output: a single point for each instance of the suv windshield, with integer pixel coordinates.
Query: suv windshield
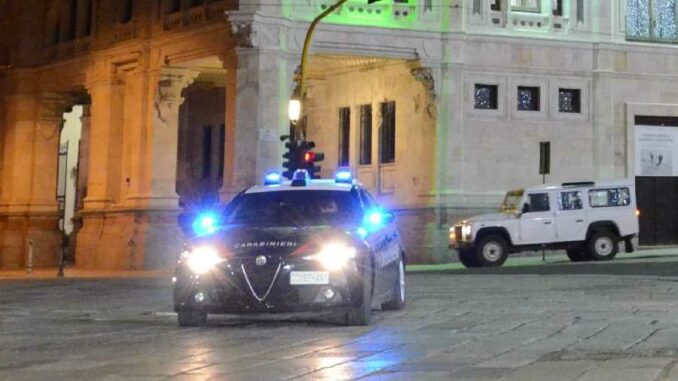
(285, 208)
(511, 203)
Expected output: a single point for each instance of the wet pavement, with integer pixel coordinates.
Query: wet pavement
(557, 321)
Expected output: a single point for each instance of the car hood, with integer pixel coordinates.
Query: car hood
(241, 241)
(489, 217)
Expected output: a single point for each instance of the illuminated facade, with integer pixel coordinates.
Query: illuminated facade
(437, 105)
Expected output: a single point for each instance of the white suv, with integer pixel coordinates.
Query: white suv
(587, 219)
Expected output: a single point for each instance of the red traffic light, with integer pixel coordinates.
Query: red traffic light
(309, 157)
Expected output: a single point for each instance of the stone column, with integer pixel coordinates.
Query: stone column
(230, 188)
(263, 89)
(28, 208)
(160, 190)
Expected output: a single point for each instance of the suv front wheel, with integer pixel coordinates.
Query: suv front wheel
(491, 251)
(602, 245)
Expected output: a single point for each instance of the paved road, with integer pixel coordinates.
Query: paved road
(557, 321)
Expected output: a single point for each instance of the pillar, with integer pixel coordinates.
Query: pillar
(28, 207)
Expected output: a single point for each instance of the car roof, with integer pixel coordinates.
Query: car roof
(583, 184)
(313, 185)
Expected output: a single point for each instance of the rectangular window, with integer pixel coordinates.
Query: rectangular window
(344, 136)
(495, 5)
(387, 133)
(569, 100)
(365, 134)
(222, 145)
(570, 200)
(206, 151)
(539, 202)
(580, 11)
(557, 6)
(528, 98)
(526, 5)
(486, 97)
(651, 20)
(609, 197)
(476, 7)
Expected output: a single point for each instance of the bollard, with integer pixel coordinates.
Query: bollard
(29, 259)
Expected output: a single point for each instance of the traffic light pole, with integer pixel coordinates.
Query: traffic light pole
(304, 60)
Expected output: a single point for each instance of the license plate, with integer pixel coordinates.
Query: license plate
(309, 277)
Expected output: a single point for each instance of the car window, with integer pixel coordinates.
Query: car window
(571, 200)
(609, 197)
(539, 202)
(284, 208)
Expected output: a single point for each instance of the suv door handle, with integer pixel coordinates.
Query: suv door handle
(579, 221)
(547, 222)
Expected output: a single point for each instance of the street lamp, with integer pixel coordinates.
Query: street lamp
(294, 109)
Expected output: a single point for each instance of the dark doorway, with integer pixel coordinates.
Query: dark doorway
(657, 198)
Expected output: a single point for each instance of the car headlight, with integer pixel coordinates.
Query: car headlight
(203, 259)
(466, 232)
(334, 256)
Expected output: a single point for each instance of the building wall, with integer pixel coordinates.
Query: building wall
(408, 181)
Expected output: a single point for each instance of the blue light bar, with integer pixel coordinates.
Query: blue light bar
(300, 178)
(205, 224)
(343, 177)
(273, 178)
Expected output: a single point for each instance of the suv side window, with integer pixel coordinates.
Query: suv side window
(609, 197)
(539, 202)
(571, 200)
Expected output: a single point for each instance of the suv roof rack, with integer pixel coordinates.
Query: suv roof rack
(580, 184)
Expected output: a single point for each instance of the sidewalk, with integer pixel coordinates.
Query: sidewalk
(79, 273)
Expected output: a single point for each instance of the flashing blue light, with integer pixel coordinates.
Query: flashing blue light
(374, 220)
(272, 178)
(343, 177)
(205, 224)
(300, 178)
(362, 232)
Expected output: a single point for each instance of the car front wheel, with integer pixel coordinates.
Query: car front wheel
(398, 301)
(491, 251)
(361, 314)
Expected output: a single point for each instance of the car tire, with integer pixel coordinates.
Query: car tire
(398, 302)
(578, 254)
(602, 245)
(468, 258)
(361, 314)
(491, 251)
(192, 318)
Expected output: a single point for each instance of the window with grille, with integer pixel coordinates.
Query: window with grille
(365, 134)
(387, 133)
(344, 136)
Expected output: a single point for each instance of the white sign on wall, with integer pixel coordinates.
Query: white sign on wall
(656, 151)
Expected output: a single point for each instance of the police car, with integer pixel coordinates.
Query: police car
(293, 246)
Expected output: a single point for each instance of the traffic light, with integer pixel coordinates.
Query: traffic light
(292, 157)
(310, 158)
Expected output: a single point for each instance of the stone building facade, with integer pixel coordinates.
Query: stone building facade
(438, 106)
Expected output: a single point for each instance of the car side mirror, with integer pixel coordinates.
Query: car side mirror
(526, 208)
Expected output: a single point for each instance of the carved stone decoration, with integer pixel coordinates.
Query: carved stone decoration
(170, 84)
(245, 34)
(425, 76)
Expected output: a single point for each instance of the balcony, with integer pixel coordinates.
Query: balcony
(212, 11)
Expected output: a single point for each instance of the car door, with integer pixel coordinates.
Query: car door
(385, 243)
(537, 219)
(570, 216)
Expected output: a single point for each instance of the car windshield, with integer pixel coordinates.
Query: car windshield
(285, 208)
(511, 204)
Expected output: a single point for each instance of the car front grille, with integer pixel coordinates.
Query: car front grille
(457, 233)
(260, 278)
